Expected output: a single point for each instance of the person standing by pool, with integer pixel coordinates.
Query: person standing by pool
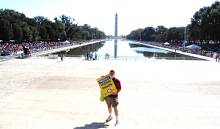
(107, 56)
(215, 56)
(61, 56)
(112, 100)
(218, 60)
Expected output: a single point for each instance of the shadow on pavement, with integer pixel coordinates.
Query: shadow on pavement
(94, 125)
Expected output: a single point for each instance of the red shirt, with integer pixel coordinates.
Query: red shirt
(118, 87)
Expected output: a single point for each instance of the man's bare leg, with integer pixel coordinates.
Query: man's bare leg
(116, 111)
(116, 114)
(110, 115)
(110, 110)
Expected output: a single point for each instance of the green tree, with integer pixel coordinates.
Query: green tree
(18, 33)
(6, 30)
(175, 34)
(205, 24)
(15, 25)
(135, 35)
(148, 34)
(160, 35)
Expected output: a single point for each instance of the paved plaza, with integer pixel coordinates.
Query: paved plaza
(40, 93)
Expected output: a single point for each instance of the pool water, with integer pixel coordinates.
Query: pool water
(126, 50)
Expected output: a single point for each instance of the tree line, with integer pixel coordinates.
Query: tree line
(17, 27)
(204, 29)
(158, 34)
(205, 24)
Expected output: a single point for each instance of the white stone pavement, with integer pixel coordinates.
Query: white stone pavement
(156, 94)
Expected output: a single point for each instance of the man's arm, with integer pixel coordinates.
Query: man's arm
(118, 86)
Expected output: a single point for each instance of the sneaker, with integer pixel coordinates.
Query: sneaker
(108, 119)
(116, 123)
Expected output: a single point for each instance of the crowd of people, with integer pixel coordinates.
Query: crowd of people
(31, 47)
(91, 56)
(216, 56)
(10, 49)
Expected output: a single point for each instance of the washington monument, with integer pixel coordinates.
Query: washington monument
(116, 35)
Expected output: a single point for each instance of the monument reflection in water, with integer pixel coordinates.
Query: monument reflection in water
(126, 50)
(122, 49)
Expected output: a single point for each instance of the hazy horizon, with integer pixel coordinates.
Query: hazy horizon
(133, 14)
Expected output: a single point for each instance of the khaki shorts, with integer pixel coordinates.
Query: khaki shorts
(111, 102)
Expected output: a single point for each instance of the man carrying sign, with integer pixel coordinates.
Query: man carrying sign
(112, 100)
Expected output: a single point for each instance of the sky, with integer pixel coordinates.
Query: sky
(132, 14)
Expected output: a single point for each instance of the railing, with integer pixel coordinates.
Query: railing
(136, 58)
(5, 58)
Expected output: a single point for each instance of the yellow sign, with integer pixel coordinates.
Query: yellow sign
(107, 86)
